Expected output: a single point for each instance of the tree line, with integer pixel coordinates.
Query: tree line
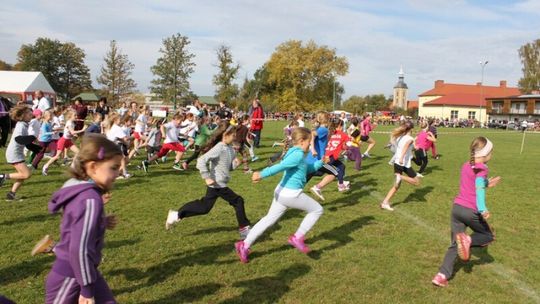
(298, 76)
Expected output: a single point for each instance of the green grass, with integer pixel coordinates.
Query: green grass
(361, 253)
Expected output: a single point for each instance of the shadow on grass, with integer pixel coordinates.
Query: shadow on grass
(419, 195)
(121, 243)
(483, 258)
(33, 218)
(24, 270)
(268, 289)
(188, 295)
(430, 169)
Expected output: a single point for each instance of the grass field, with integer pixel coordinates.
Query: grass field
(361, 253)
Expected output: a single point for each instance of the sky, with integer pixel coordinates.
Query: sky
(431, 39)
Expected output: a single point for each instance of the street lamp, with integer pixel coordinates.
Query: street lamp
(483, 65)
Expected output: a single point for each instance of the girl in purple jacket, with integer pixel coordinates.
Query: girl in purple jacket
(74, 277)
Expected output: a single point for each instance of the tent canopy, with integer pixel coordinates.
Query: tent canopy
(91, 97)
(16, 81)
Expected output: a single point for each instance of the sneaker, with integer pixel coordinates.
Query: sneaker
(315, 190)
(275, 144)
(244, 231)
(2, 179)
(45, 245)
(121, 176)
(437, 156)
(172, 218)
(419, 175)
(164, 159)
(255, 158)
(45, 171)
(178, 167)
(127, 175)
(242, 251)
(366, 155)
(12, 197)
(298, 243)
(347, 184)
(144, 165)
(463, 241)
(185, 165)
(440, 280)
(386, 206)
(342, 188)
(248, 171)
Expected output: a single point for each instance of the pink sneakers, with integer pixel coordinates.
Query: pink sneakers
(298, 242)
(242, 251)
(440, 280)
(463, 241)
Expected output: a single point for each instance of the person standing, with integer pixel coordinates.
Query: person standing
(103, 108)
(41, 103)
(5, 121)
(257, 117)
(81, 111)
(224, 112)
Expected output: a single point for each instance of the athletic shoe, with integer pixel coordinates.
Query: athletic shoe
(2, 179)
(419, 175)
(185, 165)
(298, 243)
(244, 231)
(366, 155)
(437, 156)
(440, 280)
(127, 175)
(144, 165)
(391, 162)
(463, 241)
(172, 218)
(45, 171)
(255, 158)
(178, 167)
(347, 184)
(12, 197)
(275, 144)
(342, 188)
(45, 245)
(386, 206)
(248, 171)
(315, 190)
(164, 159)
(242, 251)
(121, 176)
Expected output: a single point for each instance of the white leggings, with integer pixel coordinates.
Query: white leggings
(287, 198)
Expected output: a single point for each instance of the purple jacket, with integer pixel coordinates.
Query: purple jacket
(78, 253)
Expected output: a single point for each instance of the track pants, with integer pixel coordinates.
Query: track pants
(421, 159)
(461, 219)
(65, 290)
(205, 204)
(353, 153)
(50, 145)
(283, 199)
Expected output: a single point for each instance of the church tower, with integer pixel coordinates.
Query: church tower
(400, 92)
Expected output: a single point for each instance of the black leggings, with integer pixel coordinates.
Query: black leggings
(340, 168)
(420, 159)
(194, 155)
(206, 203)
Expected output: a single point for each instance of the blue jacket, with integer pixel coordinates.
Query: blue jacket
(295, 167)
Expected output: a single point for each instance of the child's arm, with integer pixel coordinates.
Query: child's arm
(162, 129)
(480, 183)
(202, 164)
(431, 137)
(290, 161)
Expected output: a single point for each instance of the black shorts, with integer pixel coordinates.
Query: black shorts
(364, 138)
(400, 170)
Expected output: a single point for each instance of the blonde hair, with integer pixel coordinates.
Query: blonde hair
(423, 124)
(109, 121)
(403, 129)
(476, 145)
(322, 118)
(69, 114)
(300, 133)
(94, 147)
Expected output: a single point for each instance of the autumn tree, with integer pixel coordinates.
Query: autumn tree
(4, 66)
(369, 103)
(226, 90)
(530, 58)
(173, 69)
(116, 73)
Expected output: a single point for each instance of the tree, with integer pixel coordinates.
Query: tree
(116, 73)
(303, 76)
(173, 69)
(62, 64)
(4, 66)
(530, 58)
(369, 103)
(226, 90)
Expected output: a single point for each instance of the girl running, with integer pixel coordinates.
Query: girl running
(335, 146)
(319, 141)
(402, 161)
(365, 128)
(423, 141)
(353, 151)
(15, 151)
(115, 133)
(45, 139)
(288, 194)
(74, 277)
(170, 132)
(469, 209)
(215, 166)
(200, 140)
(240, 141)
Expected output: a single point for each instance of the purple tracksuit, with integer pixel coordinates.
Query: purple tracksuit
(78, 253)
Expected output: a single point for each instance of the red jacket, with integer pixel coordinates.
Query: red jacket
(257, 119)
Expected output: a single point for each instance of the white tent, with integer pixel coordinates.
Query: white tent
(22, 85)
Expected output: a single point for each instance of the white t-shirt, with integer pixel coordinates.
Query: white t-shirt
(42, 104)
(189, 129)
(301, 123)
(400, 145)
(171, 133)
(33, 127)
(67, 133)
(127, 131)
(140, 125)
(56, 125)
(115, 133)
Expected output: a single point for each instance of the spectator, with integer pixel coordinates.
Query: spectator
(103, 108)
(122, 110)
(5, 121)
(81, 111)
(224, 112)
(257, 117)
(41, 103)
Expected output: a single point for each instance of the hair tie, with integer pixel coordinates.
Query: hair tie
(101, 153)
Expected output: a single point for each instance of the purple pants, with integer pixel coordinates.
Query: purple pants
(65, 290)
(353, 153)
(51, 145)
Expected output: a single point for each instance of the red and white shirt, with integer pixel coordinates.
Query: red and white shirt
(336, 144)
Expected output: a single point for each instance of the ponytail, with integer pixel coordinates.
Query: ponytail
(224, 128)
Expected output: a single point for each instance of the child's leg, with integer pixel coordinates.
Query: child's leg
(371, 143)
(178, 157)
(304, 202)
(423, 161)
(103, 293)
(417, 159)
(22, 174)
(200, 206)
(353, 153)
(274, 213)
(237, 202)
(60, 289)
(433, 150)
(482, 235)
(194, 155)
(340, 170)
(457, 225)
(44, 145)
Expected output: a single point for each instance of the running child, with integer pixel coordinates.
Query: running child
(433, 129)
(240, 141)
(15, 151)
(286, 143)
(33, 130)
(117, 134)
(336, 144)
(74, 277)
(170, 132)
(469, 210)
(402, 161)
(200, 140)
(215, 166)
(423, 141)
(45, 139)
(95, 126)
(365, 128)
(140, 128)
(288, 194)
(353, 151)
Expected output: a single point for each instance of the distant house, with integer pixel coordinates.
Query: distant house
(209, 100)
(461, 101)
(510, 108)
(87, 97)
(23, 85)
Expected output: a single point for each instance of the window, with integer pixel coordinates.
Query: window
(472, 115)
(453, 114)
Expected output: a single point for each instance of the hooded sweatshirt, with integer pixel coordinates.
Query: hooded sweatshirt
(78, 253)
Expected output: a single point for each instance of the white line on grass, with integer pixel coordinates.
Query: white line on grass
(495, 267)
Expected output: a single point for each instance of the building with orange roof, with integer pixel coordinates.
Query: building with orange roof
(461, 101)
